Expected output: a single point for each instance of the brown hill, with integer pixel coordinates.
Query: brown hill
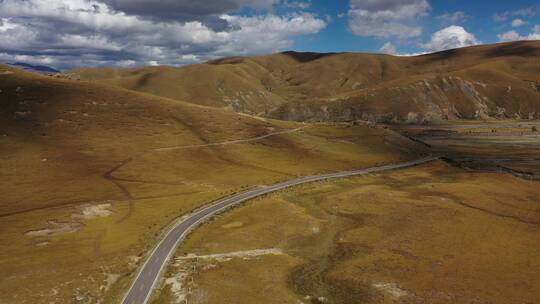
(92, 174)
(500, 80)
(85, 129)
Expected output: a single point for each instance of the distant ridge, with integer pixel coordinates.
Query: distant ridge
(34, 68)
(498, 81)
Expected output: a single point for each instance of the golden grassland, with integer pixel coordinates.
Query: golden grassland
(71, 147)
(469, 82)
(430, 234)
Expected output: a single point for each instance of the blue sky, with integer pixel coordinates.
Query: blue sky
(479, 19)
(125, 33)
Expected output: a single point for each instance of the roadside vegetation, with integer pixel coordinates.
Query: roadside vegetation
(430, 234)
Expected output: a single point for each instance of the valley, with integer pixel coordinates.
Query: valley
(92, 175)
(343, 177)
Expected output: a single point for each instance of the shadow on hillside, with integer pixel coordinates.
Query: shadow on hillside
(298, 56)
(307, 56)
(519, 48)
(443, 55)
(227, 60)
(143, 80)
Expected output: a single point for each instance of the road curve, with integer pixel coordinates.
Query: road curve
(141, 289)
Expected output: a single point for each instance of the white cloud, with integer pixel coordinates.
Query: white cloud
(450, 38)
(375, 18)
(90, 32)
(6, 25)
(297, 4)
(412, 54)
(536, 33)
(518, 22)
(265, 34)
(523, 12)
(89, 42)
(515, 36)
(388, 48)
(509, 36)
(453, 18)
(185, 10)
(36, 60)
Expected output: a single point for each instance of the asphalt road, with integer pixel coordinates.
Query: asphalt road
(142, 287)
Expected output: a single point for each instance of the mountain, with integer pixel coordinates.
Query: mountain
(62, 137)
(34, 68)
(480, 82)
(73, 147)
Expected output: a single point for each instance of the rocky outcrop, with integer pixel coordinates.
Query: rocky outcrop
(469, 83)
(424, 101)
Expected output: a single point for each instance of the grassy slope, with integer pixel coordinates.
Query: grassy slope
(421, 235)
(475, 82)
(68, 145)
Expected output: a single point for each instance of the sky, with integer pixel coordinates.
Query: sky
(125, 33)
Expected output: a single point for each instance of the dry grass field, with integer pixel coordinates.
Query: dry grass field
(93, 171)
(91, 175)
(430, 234)
(497, 81)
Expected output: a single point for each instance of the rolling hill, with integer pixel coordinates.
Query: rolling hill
(92, 174)
(34, 68)
(481, 82)
(94, 171)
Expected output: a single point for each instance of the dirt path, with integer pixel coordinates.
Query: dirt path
(109, 175)
(229, 142)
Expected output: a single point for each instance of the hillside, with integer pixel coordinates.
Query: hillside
(497, 81)
(34, 68)
(92, 175)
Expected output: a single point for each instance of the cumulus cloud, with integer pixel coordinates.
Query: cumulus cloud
(509, 36)
(263, 34)
(518, 22)
(450, 38)
(385, 18)
(535, 35)
(67, 33)
(515, 36)
(185, 9)
(388, 48)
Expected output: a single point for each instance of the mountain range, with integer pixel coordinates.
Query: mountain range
(480, 82)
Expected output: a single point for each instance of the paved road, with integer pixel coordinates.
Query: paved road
(142, 287)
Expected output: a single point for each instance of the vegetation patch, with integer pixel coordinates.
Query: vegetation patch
(420, 235)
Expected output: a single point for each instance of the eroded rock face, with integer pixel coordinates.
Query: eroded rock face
(425, 101)
(534, 85)
(472, 83)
